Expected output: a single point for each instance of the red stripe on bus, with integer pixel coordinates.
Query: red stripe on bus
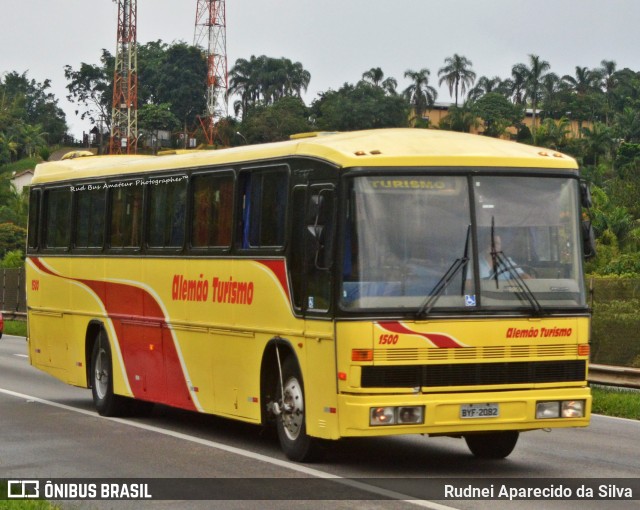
(438, 339)
(279, 269)
(150, 357)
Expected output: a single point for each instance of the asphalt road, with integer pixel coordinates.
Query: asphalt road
(49, 430)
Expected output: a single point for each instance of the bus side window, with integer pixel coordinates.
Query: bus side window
(90, 218)
(264, 206)
(212, 217)
(167, 205)
(58, 215)
(126, 217)
(34, 217)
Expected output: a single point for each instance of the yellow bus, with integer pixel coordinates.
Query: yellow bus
(373, 283)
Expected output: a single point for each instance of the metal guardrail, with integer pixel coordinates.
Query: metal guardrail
(14, 316)
(608, 375)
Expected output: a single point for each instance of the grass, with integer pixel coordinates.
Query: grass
(17, 328)
(24, 504)
(620, 402)
(37, 504)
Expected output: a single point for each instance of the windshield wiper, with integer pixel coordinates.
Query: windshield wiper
(505, 261)
(449, 275)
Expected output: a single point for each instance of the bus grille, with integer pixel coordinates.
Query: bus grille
(473, 374)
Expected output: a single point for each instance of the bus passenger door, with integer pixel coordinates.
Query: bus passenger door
(313, 247)
(312, 261)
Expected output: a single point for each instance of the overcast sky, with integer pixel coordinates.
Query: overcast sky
(335, 40)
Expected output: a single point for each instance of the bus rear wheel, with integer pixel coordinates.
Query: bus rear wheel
(492, 445)
(106, 402)
(291, 422)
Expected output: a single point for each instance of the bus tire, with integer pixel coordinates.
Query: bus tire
(106, 402)
(492, 445)
(291, 422)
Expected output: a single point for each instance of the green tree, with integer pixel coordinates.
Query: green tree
(554, 133)
(32, 104)
(173, 74)
(153, 118)
(12, 259)
(12, 237)
(460, 118)
(359, 107)
(457, 74)
(91, 89)
(497, 112)
(277, 121)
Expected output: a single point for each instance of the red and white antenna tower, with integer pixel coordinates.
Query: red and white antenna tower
(124, 112)
(211, 26)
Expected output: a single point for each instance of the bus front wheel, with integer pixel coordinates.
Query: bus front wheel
(492, 445)
(291, 423)
(106, 402)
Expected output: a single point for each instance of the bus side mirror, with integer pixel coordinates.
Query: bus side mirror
(585, 195)
(588, 240)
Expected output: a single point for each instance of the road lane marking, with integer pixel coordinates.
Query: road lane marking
(244, 453)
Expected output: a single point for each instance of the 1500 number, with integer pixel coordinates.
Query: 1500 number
(388, 339)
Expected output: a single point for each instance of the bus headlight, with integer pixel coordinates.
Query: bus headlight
(391, 415)
(560, 409)
(572, 409)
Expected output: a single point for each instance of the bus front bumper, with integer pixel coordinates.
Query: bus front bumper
(461, 413)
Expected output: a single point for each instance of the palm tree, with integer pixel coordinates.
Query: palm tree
(420, 94)
(265, 79)
(32, 138)
(518, 83)
(457, 74)
(243, 81)
(608, 84)
(583, 86)
(535, 74)
(549, 94)
(485, 86)
(375, 77)
(598, 140)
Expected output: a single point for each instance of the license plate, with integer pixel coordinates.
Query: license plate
(479, 411)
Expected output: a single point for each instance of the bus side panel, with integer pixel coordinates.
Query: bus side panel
(320, 376)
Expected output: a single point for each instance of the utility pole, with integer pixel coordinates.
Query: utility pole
(211, 27)
(124, 111)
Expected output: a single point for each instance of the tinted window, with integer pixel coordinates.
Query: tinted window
(211, 222)
(264, 206)
(58, 214)
(167, 205)
(89, 218)
(126, 216)
(34, 212)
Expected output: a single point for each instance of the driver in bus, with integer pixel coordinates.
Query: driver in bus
(492, 262)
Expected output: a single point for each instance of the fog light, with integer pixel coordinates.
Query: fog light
(382, 416)
(546, 410)
(573, 408)
(414, 414)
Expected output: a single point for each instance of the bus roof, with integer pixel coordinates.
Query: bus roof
(399, 147)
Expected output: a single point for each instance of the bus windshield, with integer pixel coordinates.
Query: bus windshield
(442, 242)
